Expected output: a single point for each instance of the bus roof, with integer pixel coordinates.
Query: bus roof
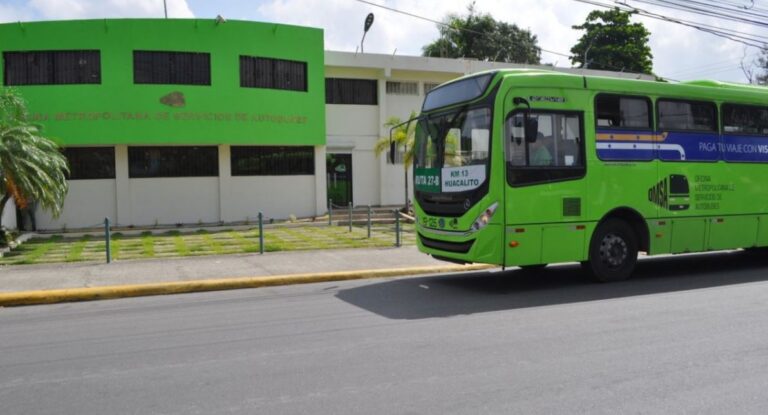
(700, 89)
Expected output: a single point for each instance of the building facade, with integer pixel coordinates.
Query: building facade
(209, 121)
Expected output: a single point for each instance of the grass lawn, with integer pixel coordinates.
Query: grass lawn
(175, 243)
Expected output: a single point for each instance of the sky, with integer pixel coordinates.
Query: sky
(679, 52)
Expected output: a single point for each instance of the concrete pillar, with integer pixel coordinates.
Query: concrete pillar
(225, 184)
(321, 189)
(383, 132)
(123, 195)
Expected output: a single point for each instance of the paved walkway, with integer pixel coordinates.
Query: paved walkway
(79, 275)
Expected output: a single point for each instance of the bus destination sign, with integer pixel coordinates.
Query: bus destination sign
(449, 179)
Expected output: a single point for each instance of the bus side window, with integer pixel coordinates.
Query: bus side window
(515, 140)
(618, 111)
(745, 119)
(558, 142)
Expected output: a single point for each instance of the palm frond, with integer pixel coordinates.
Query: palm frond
(32, 167)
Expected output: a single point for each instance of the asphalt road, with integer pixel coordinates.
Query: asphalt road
(687, 335)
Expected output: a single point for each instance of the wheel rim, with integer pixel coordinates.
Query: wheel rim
(613, 250)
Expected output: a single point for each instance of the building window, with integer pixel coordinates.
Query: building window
(351, 91)
(744, 119)
(402, 88)
(184, 68)
(614, 111)
(145, 162)
(272, 161)
(428, 86)
(52, 67)
(687, 115)
(270, 73)
(88, 163)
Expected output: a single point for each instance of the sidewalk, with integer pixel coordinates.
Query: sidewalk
(217, 272)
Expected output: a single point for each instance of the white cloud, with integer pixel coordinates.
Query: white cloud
(9, 13)
(87, 9)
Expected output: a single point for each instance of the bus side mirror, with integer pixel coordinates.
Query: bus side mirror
(391, 154)
(531, 129)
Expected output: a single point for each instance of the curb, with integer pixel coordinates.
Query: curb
(181, 287)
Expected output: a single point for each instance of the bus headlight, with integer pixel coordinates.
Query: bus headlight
(485, 217)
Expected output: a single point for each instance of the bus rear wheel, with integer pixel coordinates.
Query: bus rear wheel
(612, 251)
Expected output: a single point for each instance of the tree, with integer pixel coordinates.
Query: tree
(762, 63)
(612, 43)
(480, 36)
(32, 167)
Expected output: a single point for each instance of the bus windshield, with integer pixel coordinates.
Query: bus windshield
(452, 150)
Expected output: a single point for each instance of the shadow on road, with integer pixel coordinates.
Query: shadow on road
(479, 292)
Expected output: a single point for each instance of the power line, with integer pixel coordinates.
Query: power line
(728, 34)
(712, 66)
(437, 22)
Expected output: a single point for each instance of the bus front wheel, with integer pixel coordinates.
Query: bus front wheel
(612, 251)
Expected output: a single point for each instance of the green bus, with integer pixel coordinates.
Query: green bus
(531, 167)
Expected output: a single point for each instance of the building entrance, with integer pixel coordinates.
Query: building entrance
(339, 178)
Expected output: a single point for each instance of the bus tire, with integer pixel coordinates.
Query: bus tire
(612, 251)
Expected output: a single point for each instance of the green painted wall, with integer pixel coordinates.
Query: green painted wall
(120, 112)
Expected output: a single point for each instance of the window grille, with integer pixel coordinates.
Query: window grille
(182, 68)
(402, 88)
(351, 91)
(87, 163)
(59, 67)
(146, 162)
(272, 160)
(256, 72)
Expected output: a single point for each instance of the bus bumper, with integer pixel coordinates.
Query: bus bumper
(483, 246)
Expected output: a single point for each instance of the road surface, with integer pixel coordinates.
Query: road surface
(687, 335)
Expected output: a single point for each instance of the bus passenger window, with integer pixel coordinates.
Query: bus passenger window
(614, 111)
(745, 119)
(558, 141)
(687, 115)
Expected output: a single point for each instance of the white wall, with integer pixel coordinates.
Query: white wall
(365, 178)
(352, 120)
(174, 200)
(276, 196)
(400, 106)
(87, 203)
(393, 184)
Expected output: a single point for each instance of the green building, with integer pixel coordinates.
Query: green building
(175, 121)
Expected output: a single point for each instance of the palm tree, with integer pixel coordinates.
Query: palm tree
(32, 167)
(403, 136)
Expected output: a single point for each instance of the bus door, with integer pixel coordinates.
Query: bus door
(546, 187)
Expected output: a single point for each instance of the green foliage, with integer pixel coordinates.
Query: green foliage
(612, 43)
(762, 62)
(32, 169)
(480, 36)
(402, 135)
